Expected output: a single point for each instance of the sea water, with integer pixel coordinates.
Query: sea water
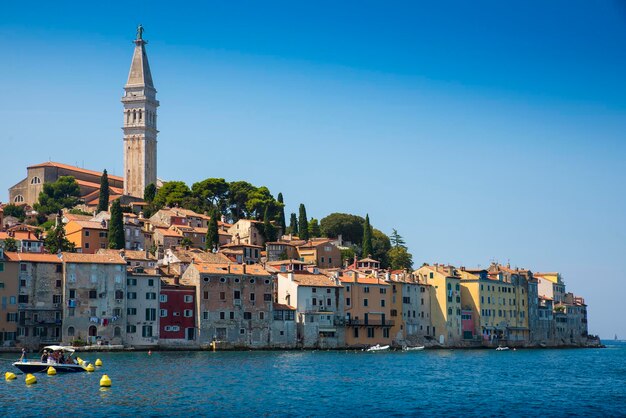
(548, 382)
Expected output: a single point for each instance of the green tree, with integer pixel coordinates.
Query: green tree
(303, 223)
(63, 193)
(397, 240)
(186, 242)
(212, 192)
(238, 194)
(314, 228)
(149, 193)
(380, 247)
(269, 230)
(173, 193)
(10, 244)
(103, 202)
(347, 254)
(56, 241)
(400, 258)
(293, 224)
(350, 227)
(212, 233)
(16, 211)
(367, 238)
(116, 227)
(282, 224)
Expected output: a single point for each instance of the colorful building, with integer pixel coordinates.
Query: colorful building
(143, 288)
(87, 236)
(9, 281)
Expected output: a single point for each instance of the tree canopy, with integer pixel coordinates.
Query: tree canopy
(116, 227)
(367, 238)
(397, 240)
(303, 223)
(10, 244)
(56, 241)
(173, 193)
(149, 193)
(16, 211)
(103, 201)
(293, 224)
(400, 258)
(212, 192)
(350, 227)
(314, 229)
(63, 193)
(212, 240)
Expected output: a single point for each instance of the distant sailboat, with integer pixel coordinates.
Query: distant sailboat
(616, 337)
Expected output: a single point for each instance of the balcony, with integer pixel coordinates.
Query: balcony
(369, 323)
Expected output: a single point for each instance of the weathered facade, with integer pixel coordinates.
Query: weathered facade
(143, 290)
(8, 299)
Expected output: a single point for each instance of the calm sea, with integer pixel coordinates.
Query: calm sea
(574, 382)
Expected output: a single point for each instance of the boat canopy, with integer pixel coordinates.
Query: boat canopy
(59, 348)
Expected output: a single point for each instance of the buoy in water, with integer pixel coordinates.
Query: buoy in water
(52, 371)
(149, 352)
(10, 376)
(90, 368)
(105, 382)
(30, 379)
(98, 363)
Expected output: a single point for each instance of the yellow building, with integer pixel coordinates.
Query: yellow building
(445, 304)
(9, 273)
(367, 307)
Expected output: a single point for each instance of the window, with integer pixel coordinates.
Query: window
(18, 199)
(150, 314)
(242, 331)
(222, 295)
(188, 313)
(237, 294)
(394, 312)
(188, 298)
(205, 294)
(131, 282)
(366, 289)
(355, 332)
(370, 332)
(131, 329)
(222, 315)
(382, 303)
(131, 311)
(22, 299)
(23, 267)
(93, 294)
(35, 180)
(328, 302)
(150, 282)
(406, 299)
(347, 301)
(150, 295)
(261, 315)
(365, 302)
(163, 313)
(205, 315)
(119, 294)
(56, 298)
(131, 295)
(314, 301)
(314, 290)
(385, 332)
(247, 315)
(267, 297)
(87, 234)
(383, 290)
(146, 331)
(70, 331)
(163, 298)
(231, 315)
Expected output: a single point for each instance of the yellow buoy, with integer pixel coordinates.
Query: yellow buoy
(52, 371)
(105, 382)
(98, 363)
(90, 367)
(30, 379)
(10, 376)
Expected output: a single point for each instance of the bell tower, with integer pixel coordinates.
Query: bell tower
(140, 123)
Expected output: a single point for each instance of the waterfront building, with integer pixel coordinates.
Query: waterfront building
(177, 313)
(551, 285)
(234, 303)
(533, 310)
(410, 308)
(445, 301)
(140, 123)
(8, 299)
(318, 300)
(284, 330)
(143, 290)
(40, 298)
(26, 238)
(367, 305)
(94, 298)
(134, 258)
(546, 326)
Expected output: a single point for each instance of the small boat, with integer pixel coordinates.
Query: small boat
(406, 348)
(502, 348)
(378, 347)
(39, 366)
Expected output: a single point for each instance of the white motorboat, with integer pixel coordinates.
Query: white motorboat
(37, 366)
(406, 348)
(502, 348)
(378, 347)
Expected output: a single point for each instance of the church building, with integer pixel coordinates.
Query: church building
(140, 145)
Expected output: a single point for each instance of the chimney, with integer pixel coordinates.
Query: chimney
(122, 254)
(141, 214)
(243, 267)
(223, 219)
(290, 276)
(229, 267)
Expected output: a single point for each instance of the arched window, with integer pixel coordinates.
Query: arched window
(134, 115)
(70, 331)
(18, 199)
(35, 180)
(140, 113)
(117, 332)
(93, 331)
(128, 116)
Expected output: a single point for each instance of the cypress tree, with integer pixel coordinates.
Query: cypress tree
(282, 225)
(149, 193)
(103, 203)
(293, 224)
(303, 223)
(367, 237)
(212, 234)
(116, 227)
(314, 229)
(268, 228)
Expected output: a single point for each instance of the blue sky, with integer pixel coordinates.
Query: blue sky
(480, 130)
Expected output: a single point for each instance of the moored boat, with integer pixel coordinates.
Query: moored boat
(38, 366)
(421, 347)
(378, 347)
(502, 348)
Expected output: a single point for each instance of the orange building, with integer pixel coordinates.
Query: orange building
(367, 305)
(87, 236)
(9, 272)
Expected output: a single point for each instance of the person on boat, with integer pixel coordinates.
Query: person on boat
(44, 356)
(61, 358)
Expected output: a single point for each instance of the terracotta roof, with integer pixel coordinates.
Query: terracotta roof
(281, 307)
(364, 280)
(315, 243)
(281, 262)
(75, 217)
(368, 260)
(186, 256)
(33, 257)
(89, 224)
(93, 258)
(77, 169)
(233, 245)
(279, 243)
(20, 236)
(128, 254)
(310, 279)
(223, 269)
(168, 232)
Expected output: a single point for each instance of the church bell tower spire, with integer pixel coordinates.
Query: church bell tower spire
(140, 123)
